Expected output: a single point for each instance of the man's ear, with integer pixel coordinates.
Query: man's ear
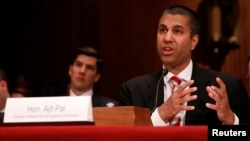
(195, 40)
(97, 77)
(70, 69)
(3, 85)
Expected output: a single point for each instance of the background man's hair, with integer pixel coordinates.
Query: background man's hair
(89, 51)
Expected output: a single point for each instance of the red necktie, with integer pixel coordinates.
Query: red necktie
(175, 120)
(175, 82)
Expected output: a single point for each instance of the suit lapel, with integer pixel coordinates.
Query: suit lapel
(201, 80)
(151, 93)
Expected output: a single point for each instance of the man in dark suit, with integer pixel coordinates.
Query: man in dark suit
(4, 92)
(204, 96)
(85, 71)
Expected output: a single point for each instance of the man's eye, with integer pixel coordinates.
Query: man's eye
(91, 67)
(78, 64)
(177, 31)
(162, 30)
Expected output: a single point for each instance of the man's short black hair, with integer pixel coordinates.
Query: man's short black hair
(89, 51)
(194, 22)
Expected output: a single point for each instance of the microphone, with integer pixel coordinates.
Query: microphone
(164, 72)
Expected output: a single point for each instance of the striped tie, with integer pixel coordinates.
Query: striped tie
(175, 120)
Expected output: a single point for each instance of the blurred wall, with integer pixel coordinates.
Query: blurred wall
(40, 35)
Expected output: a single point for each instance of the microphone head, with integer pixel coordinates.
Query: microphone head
(164, 72)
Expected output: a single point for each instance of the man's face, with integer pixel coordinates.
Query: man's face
(83, 73)
(174, 41)
(4, 94)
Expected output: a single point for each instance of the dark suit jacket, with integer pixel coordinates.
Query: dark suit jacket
(98, 100)
(101, 101)
(141, 91)
(1, 117)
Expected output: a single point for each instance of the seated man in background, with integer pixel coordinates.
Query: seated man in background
(20, 92)
(4, 92)
(85, 71)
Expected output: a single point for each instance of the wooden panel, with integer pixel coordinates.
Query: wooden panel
(236, 61)
(123, 115)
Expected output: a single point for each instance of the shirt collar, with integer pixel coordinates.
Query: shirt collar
(88, 93)
(185, 74)
(2, 110)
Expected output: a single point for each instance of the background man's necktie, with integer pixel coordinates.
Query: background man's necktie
(175, 120)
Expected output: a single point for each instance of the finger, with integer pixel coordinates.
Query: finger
(213, 95)
(185, 107)
(217, 91)
(212, 89)
(187, 98)
(187, 92)
(222, 90)
(220, 93)
(184, 85)
(211, 106)
(221, 83)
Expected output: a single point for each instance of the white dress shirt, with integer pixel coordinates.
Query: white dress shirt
(88, 93)
(184, 75)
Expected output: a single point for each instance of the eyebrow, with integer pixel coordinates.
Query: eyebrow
(77, 61)
(179, 26)
(162, 25)
(175, 26)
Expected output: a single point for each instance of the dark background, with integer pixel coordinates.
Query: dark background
(39, 36)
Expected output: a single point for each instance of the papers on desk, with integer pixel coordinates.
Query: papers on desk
(48, 109)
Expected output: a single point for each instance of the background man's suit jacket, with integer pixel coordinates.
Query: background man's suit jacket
(97, 99)
(141, 91)
(101, 101)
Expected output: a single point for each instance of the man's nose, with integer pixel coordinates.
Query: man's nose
(83, 69)
(168, 36)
